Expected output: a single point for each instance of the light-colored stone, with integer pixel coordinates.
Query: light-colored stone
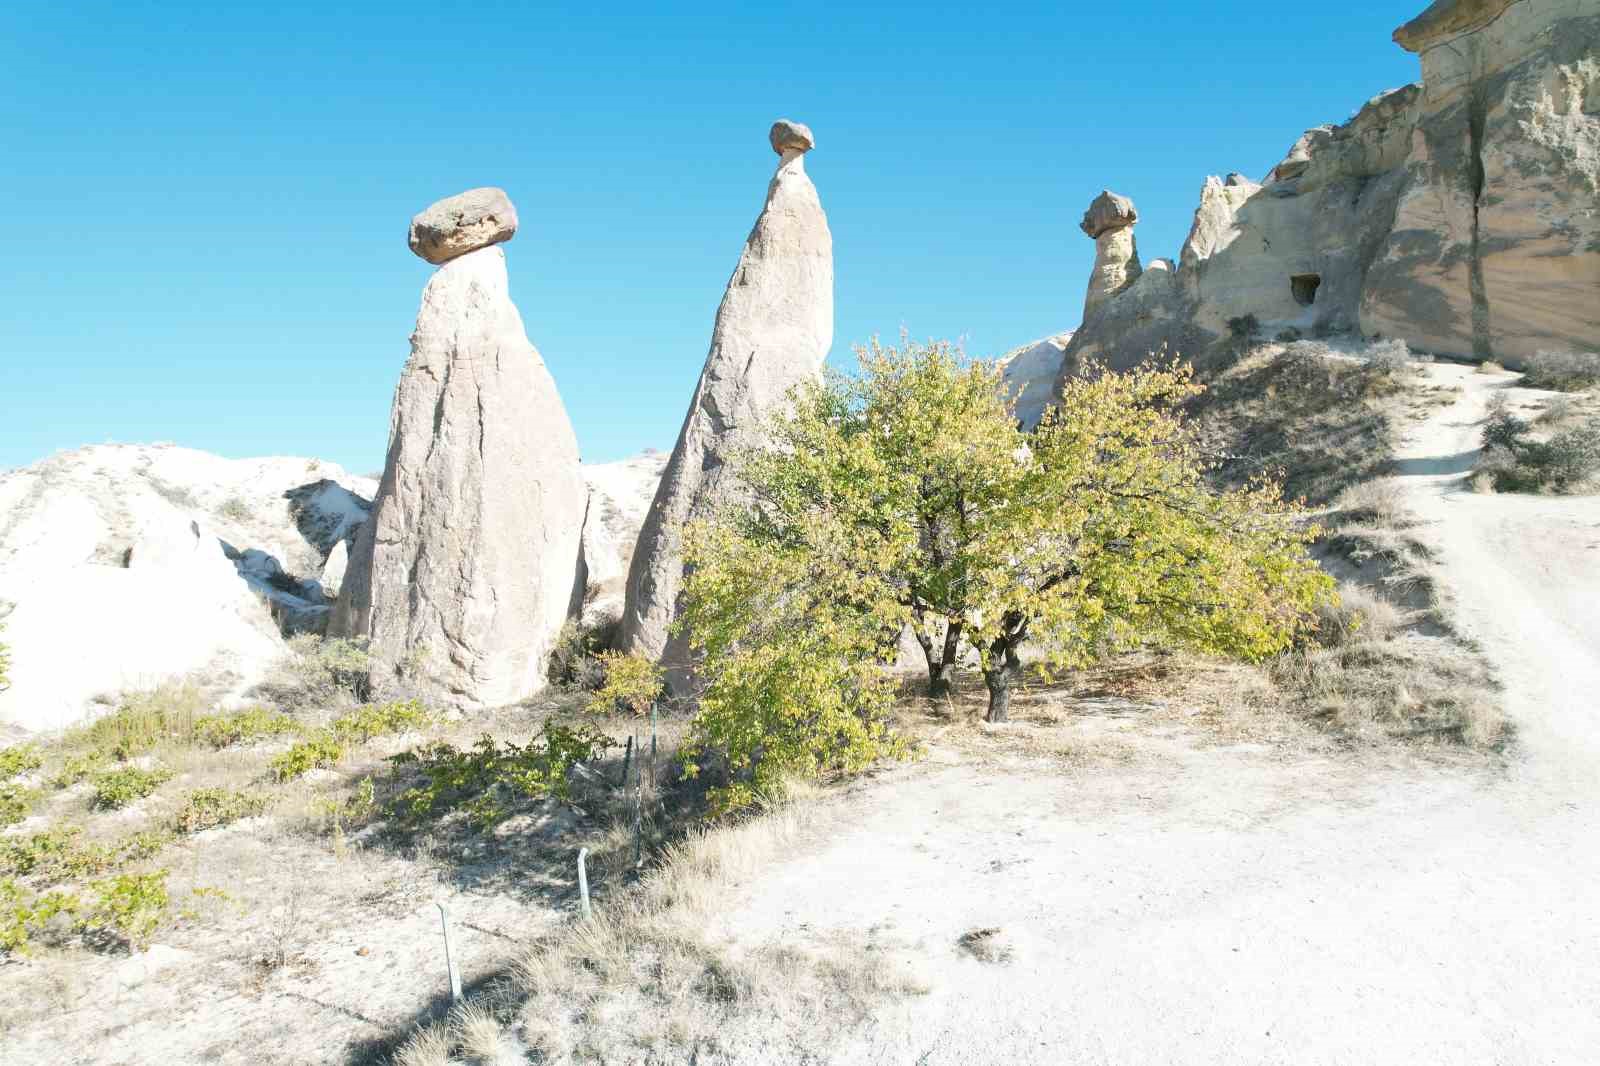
(1495, 247)
(334, 569)
(463, 223)
(620, 495)
(1109, 221)
(465, 572)
(118, 570)
(772, 331)
(1028, 374)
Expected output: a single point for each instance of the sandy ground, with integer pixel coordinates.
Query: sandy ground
(1253, 905)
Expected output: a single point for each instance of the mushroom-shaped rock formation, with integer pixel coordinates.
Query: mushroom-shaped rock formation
(1109, 222)
(463, 223)
(464, 573)
(772, 331)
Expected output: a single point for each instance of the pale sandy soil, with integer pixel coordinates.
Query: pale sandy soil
(1254, 904)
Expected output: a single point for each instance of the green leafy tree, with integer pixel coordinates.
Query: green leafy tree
(908, 495)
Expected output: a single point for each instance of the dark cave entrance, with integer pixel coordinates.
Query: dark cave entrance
(1304, 288)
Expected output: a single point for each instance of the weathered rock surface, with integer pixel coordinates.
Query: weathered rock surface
(463, 223)
(1495, 248)
(119, 569)
(620, 495)
(465, 572)
(1461, 215)
(772, 331)
(1109, 223)
(1028, 375)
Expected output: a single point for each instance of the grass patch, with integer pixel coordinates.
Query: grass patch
(319, 673)
(243, 727)
(1326, 423)
(327, 746)
(142, 720)
(18, 760)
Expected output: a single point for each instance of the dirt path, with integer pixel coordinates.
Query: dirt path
(1248, 906)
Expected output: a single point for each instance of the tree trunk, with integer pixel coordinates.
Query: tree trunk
(999, 678)
(942, 673)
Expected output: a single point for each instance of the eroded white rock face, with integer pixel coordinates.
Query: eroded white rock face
(773, 331)
(465, 572)
(620, 495)
(1028, 374)
(1495, 248)
(115, 572)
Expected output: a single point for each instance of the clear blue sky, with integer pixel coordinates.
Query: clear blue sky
(208, 202)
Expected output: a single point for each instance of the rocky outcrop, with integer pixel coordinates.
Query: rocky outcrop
(123, 566)
(1495, 248)
(772, 331)
(463, 223)
(620, 495)
(1461, 215)
(1028, 376)
(1109, 222)
(465, 572)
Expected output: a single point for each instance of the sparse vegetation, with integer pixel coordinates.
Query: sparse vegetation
(1561, 371)
(486, 780)
(19, 759)
(1515, 461)
(16, 802)
(5, 663)
(115, 789)
(324, 747)
(243, 727)
(207, 808)
(320, 673)
(142, 720)
(574, 661)
(130, 906)
(236, 509)
(317, 751)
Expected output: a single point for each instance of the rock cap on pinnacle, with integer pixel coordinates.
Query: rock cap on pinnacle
(463, 223)
(1447, 18)
(1108, 212)
(787, 136)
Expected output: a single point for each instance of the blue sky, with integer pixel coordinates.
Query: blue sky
(208, 202)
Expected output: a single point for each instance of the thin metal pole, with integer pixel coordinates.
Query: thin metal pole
(653, 704)
(583, 881)
(638, 813)
(449, 956)
(627, 759)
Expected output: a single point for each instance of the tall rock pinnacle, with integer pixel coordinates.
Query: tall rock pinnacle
(464, 573)
(772, 331)
(1109, 223)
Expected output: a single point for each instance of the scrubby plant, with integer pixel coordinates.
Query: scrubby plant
(320, 672)
(23, 914)
(80, 767)
(36, 852)
(485, 780)
(318, 750)
(60, 854)
(573, 658)
(16, 802)
(380, 719)
(235, 508)
(243, 727)
(631, 683)
(1389, 358)
(131, 906)
(1569, 461)
(115, 789)
(207, 808)
(1244, 329)
(19, 759)
(1561, 371)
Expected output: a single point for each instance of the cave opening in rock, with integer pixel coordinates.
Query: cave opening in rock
(1304, 288)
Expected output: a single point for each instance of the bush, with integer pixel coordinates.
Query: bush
(131, 906)
(632, 683)
(235, 508)
(380, 719)
(57, 854)
(257, 723)
(483, 781)
(572, 658)
(1511, 462)
(1388, 358)
(1562, 371)
(115, 789)
(77, 768)
(320, 673)
(207, 808)
(23, 915)
(16, 802)
(1245, 328)
(320, 749)
(19, 759)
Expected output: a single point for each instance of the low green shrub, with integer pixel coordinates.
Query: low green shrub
(484, 781)
(23, 915)
(632, 683)
(243, 727)
(58, 854)
(380, 719)
(77, 768)
(1511, 462)
(115, 789)
(320, 749)
(131, 906)
(19, 759)
(16, 802)
(207, 808)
